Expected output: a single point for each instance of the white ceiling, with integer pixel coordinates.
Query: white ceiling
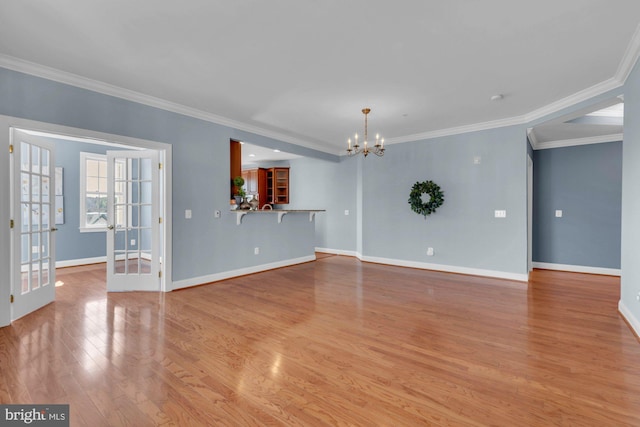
(252, 155)
(302, 70)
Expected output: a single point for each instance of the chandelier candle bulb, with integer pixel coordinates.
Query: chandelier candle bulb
(377, 149)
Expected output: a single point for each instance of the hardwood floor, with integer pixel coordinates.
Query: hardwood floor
(332, 342)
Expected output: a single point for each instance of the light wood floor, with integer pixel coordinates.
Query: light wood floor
(332, 342)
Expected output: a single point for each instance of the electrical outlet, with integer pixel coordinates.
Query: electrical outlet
(256, 251)
(187, 214)
(429, 251)
(346, 211)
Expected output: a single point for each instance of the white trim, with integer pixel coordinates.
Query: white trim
(81, 261)
(337, 252)
(533, 139)
(578, 141)
(552, 108)
(94, 260)
(448, 268)
(569, 101)
(573, 99)
(195, 281)
(529, 213)
(84, 157)
(93, 229)
(22, 66)
(630, 57)
(428, 266)
(457, 130)
(578, 268)
(629, 317)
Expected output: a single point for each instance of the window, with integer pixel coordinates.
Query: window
(93, 191)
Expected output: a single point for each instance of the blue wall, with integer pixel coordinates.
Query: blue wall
(318, 184)
(203, 245)
(71, 244)
(630, 289)
(463, 231)
(585, 182)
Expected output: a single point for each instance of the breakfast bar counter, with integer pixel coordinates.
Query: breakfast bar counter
(280, 213)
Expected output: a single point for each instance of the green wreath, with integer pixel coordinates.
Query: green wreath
(415, 198)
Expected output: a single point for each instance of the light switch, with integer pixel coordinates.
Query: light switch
(187, 214)
(500, 214)
(558, 213)
(346, 211)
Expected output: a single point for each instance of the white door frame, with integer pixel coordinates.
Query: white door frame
(529, 213)
(6, 123)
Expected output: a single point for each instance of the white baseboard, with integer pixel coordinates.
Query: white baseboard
(337, 252)
(629, 317)
(96, 260)
(429, 266)
(195, 281)
(83, 261)
(577, 268)
(448, 268)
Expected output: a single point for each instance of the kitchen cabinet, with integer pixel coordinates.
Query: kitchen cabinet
(278, 186)
(269, 185)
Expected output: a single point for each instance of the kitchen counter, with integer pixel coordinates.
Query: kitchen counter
(280, 212)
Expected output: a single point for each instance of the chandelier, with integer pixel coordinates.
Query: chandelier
(377, 149)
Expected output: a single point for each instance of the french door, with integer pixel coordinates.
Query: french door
(133, 250)
(33, 226)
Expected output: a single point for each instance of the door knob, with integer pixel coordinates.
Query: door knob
(110, 227)
(54, 229)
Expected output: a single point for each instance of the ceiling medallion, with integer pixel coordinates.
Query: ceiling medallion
(377, 149)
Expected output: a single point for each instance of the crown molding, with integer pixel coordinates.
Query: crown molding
(458, 130)
(75, 80)
(630, 58)
(533, 139)
(552, 108)
(578, 141)
(571, 100)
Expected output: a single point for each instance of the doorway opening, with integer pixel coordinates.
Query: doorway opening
(138, 228)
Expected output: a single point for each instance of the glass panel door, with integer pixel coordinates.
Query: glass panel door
(33, 243)
(133, 215)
